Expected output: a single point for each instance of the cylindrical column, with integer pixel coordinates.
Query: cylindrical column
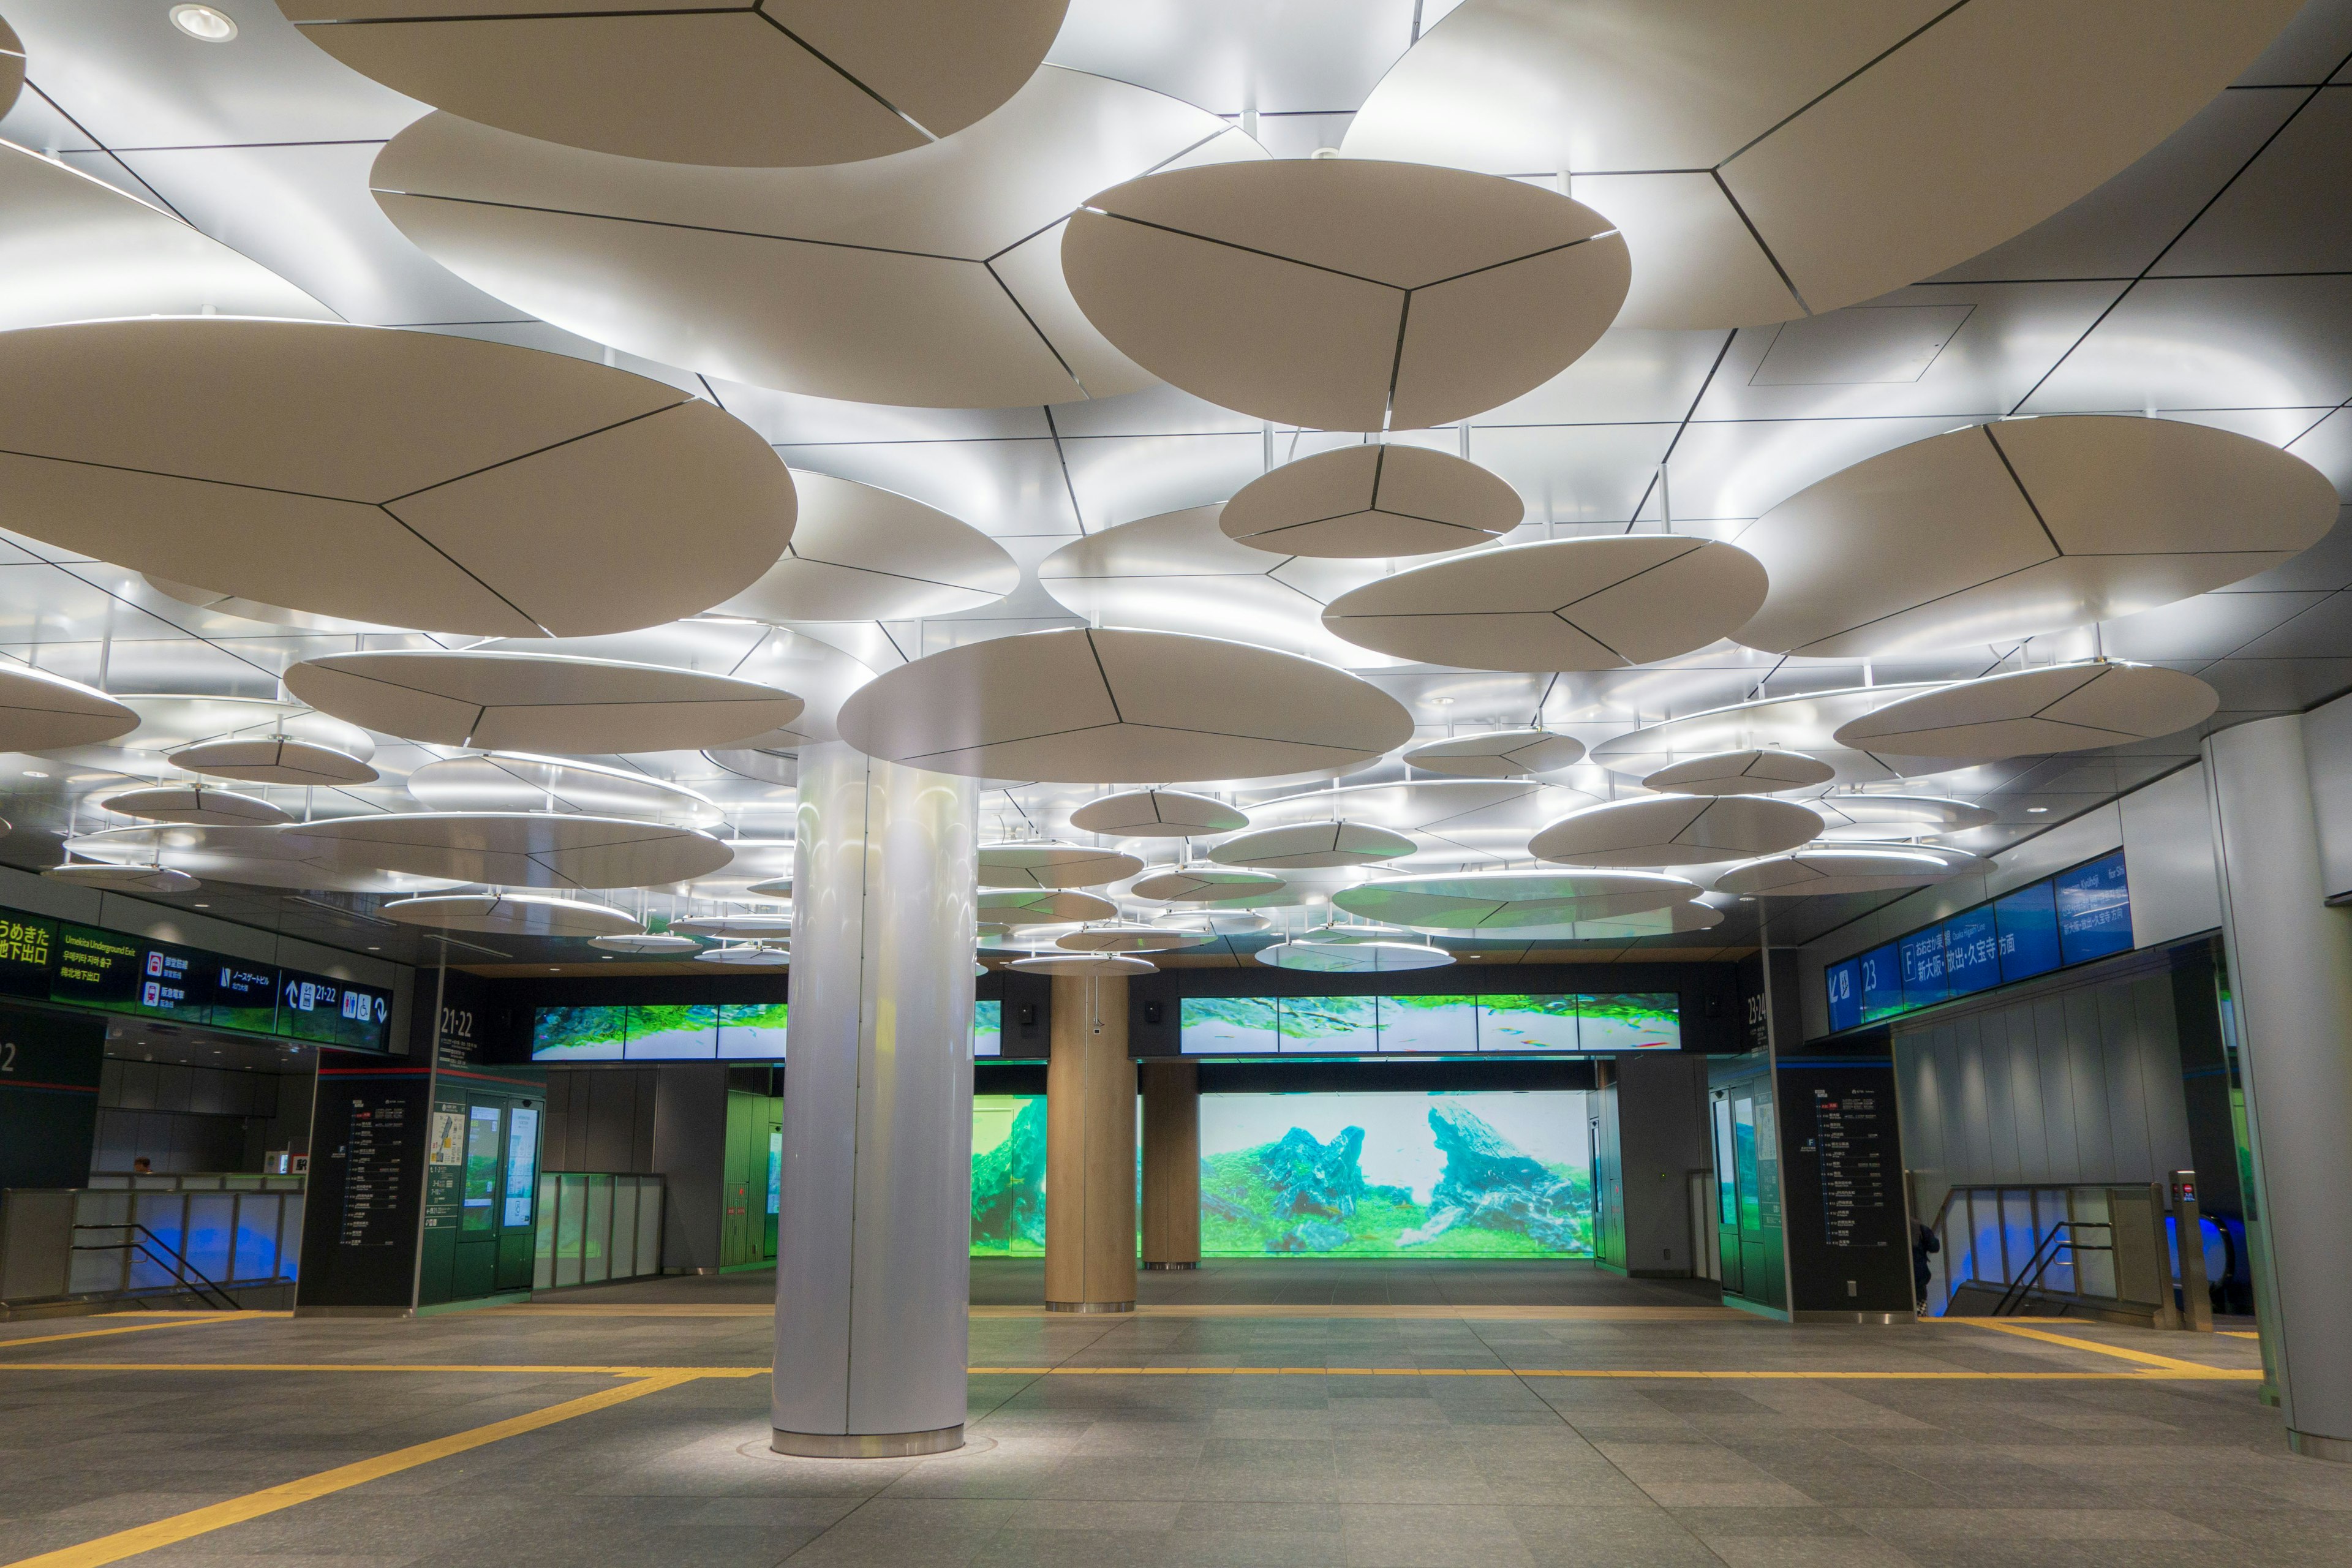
(1171, 1165)
(1089, 1149)
(2291, 975)
(873, 1268)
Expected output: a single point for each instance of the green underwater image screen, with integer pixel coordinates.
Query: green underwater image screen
(654, 1031)
(1494, 1174)
(1365, 1025)
(1008, 1175)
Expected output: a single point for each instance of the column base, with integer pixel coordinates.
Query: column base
(2311, 1445)
(1172, 1265)
(1090, 1306)
(868, 1445)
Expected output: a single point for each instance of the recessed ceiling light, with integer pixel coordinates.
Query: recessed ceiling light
(31, 774)
(2036, 810)
(203, 24)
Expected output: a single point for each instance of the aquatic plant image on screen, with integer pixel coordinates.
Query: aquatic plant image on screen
(662, 1031)
(579, 1033)
(1492, 1174)
(987, 1028)
(1008, 1175)
(752, 1029)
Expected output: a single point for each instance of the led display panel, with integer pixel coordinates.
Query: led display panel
(2094, 910)
(2026, 922)
(1882, 983)
(1972, 952)
(1625, 1021)
(1437, 1024)
(1329, 1026)
(578, 1034)
(751, 1030)
(1842, 981)
(664, 1032)
(1429, 1024)
(1921, 956)
(1008, 1175)
(1226, 1025)
(988, 1029)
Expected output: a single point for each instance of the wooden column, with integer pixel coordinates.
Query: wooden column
(1171, 1165)
(1089, 1149)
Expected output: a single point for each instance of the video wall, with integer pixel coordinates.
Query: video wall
(2078, 915)
(1486, 1174)
(726, 1031)
(83, 966)
(1008, 1175)
(1367, 1026)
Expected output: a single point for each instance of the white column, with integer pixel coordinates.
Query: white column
(874, 1237)
(2290, 975)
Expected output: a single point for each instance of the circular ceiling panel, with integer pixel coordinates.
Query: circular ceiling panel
(932, 278)
(1177, 573)
(197, 803)
(1353, 957)
(771, 888)
(1754, 770)
(1372, 501)
(1131, 939)
(1675, 830)
(2007, 530)
(519, 781)
(251, 856)
(512, 914)
(1497, 754)
(74, 248)
(860, 553)
(749, 955)
(1563, 604)
(1345, 294)
(539, 702)
(408, 479)
(734, 925)
(1478, 817)
(112, 878)
(533, 849)
(1676, 921)
(275, 759)
(1024, 908)
(1499, 900)
(173, 722)
(1157, 814)
(1766, 162)
(1120, 707)
(775, 83)
(1304, 845)
(1808, 872)
(43, 713)
(1035, 865)
(1882, 816)
(1805, 724)
(1074, 964)
(2058, 708)
(1213, 922)
(12, 66)
(254, 610)
(647, 944)
(1207, 885)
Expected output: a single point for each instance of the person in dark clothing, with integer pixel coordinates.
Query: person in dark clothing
(1924, 1245)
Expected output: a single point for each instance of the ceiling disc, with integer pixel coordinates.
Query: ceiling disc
(514, 850)
(862, 553)
(517, 781)
(646, 943)
(2059, 707)
(80, 250)
(1497, 754)
(1808, 872)
(1875, 816)
(1353, 957)
(1177, 573)
(1131, 939)
(1373, 500)
(931, 278)
(1562, 604)
(1028, 908)
(1157, 814)
(222, 604)
(1766, 162)
(2023, 526)
(197, 803)
(12, 66)
(734, 925)
(114, 878)
(1675, 830)
(1308, 844)
(249, 857)
(512, 914)
(1481, 819)
(1119, 706)
(1751, 771)
(1503, 899)
(1038, 864)
(539, 702)
(752, 955)
(785, 82)
(1206, 885)
(1213, 922)
(1676, 920)
(1082, 963)
(277, 760)
(771, 888)
(1345, 294)
(468, 486)
(1805, 723)
(42, 713)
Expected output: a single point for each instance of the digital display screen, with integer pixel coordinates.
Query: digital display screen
(2094, 910)
(1844, 984)
(1008, 1175)
(1881, 985)
(988, 1029)
(28, 946)
(579, 1033)
(333, 1012)
(1367, 1026)
(750, 1030)
(1922, 957)
(1494, 1174)
(97, 968)
(663, 1032)
(2027, 921)
(245, 996)
(1972, 952)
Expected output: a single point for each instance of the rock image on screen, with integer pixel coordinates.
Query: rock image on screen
(1495, 1174)
(1008, 1175)
(1329, 1025)
(1629, 1022)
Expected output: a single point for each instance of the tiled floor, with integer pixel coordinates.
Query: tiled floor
(1624, 1438)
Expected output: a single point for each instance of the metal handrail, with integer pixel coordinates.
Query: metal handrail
(185, 1270)
(2045, 1253)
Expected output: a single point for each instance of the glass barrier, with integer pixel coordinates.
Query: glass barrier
(596, 1226)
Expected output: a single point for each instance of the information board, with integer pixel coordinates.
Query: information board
(1923, 967)
(28, 946)
(1972, 952)
(2027, 920)
(370, 1127)
(2094, 910)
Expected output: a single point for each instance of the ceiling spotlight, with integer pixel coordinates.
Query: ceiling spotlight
(203, 24)
(31, 774)
(2036, 810)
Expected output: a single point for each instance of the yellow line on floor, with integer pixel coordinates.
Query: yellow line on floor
(2176, 1371)
(1374, 1311)
(2170, 1363)
(2237, 1333)
(192, 1320)
(270, 1499)
(520, 1371)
